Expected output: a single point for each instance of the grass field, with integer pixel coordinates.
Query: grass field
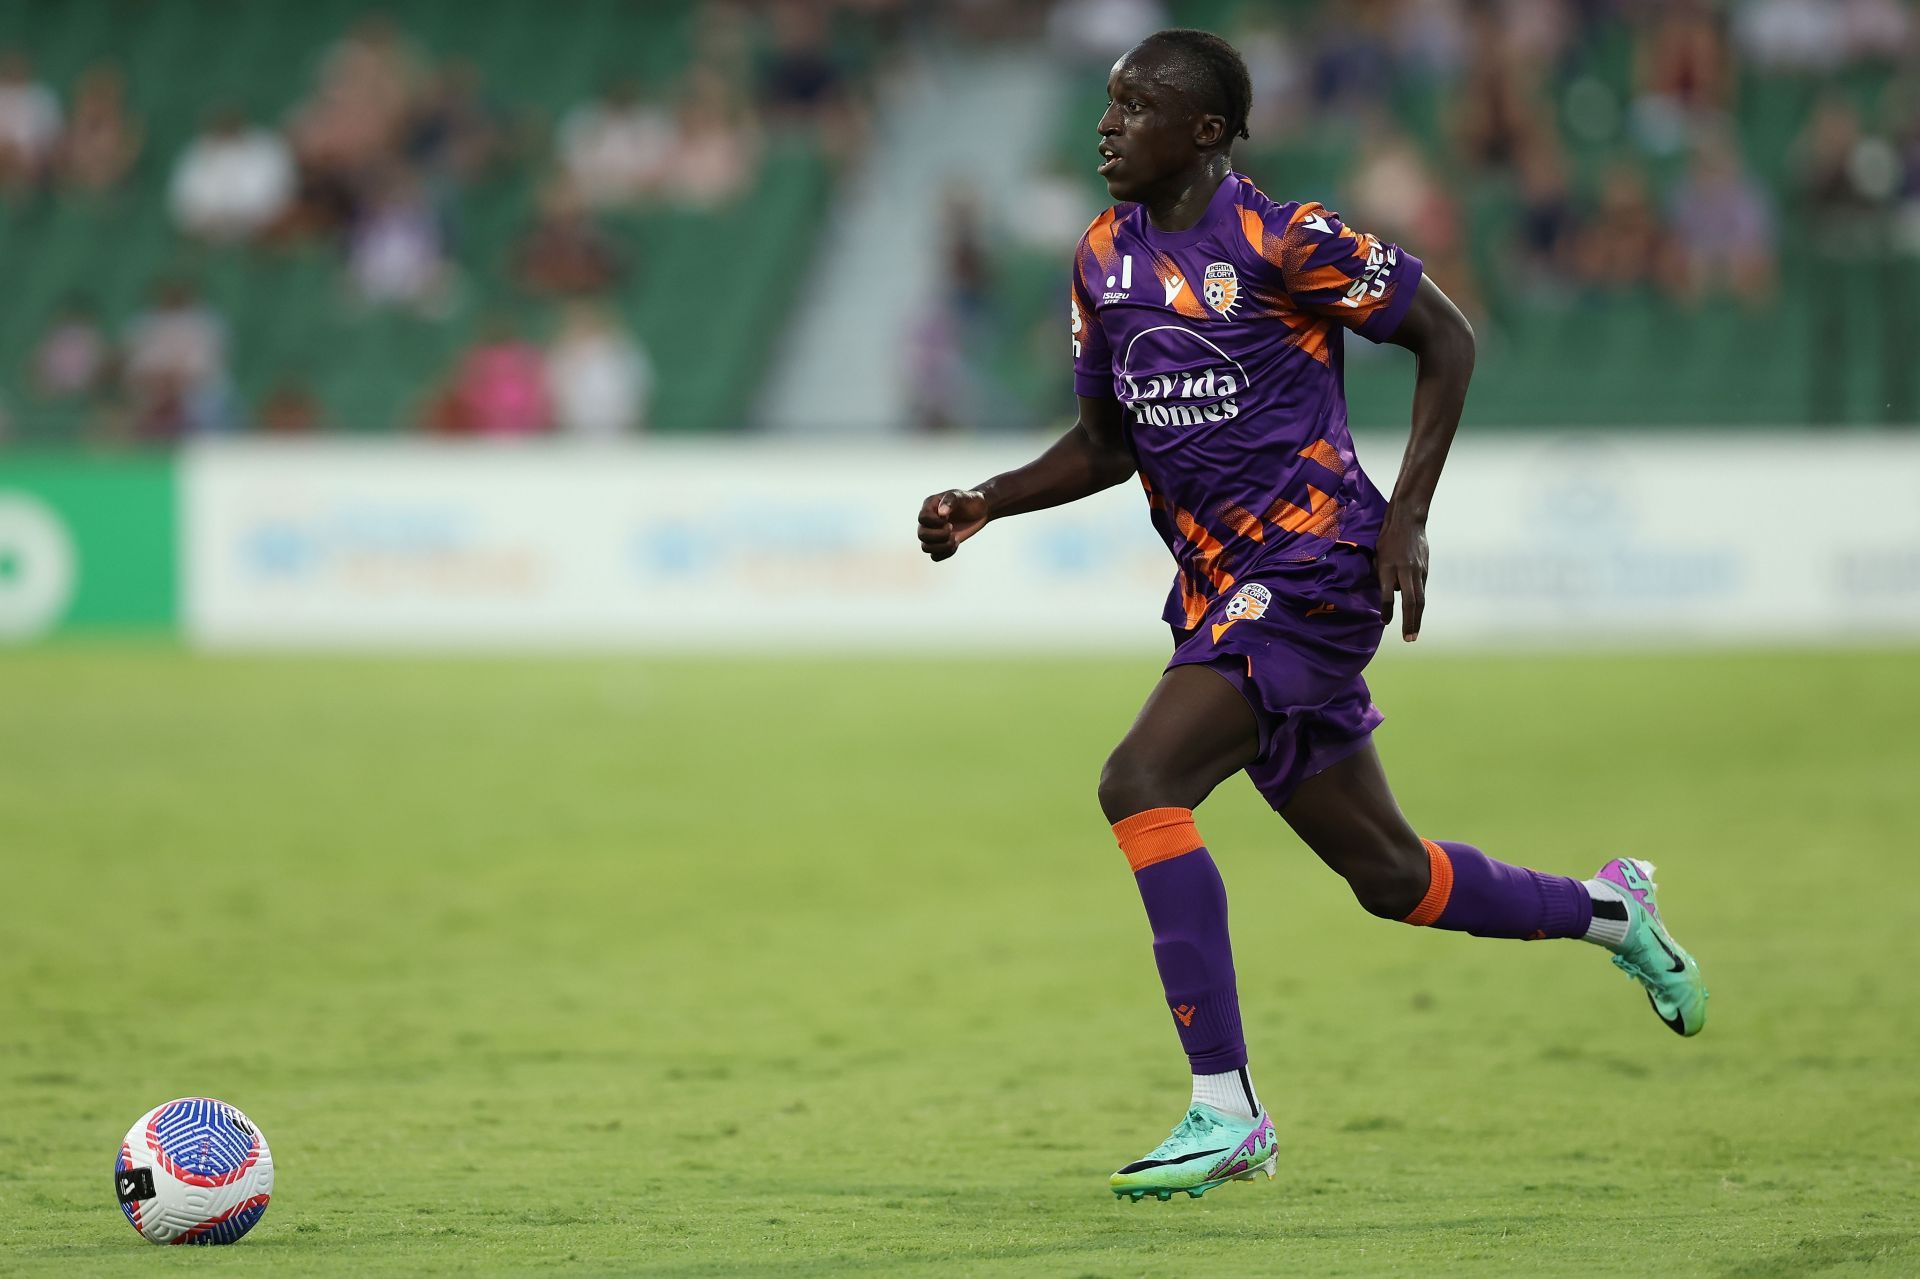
(831, 968)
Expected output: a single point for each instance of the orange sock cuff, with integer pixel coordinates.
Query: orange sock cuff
(1439, 886)
(1157, 835)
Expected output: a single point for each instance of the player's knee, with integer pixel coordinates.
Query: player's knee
(1390, 885)
(1132, 783)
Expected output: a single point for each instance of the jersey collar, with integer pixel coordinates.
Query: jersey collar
(1225, 196)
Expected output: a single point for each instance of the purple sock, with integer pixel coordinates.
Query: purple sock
(1472, 893)
(1187, 905)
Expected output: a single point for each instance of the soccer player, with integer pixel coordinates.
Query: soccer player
(1207, 328)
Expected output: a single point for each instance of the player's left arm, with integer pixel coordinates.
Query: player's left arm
(1382, 293)
(1442, 344)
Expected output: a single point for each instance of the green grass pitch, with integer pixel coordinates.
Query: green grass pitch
(827, 968)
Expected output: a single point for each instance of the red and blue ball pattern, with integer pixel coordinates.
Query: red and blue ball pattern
(212, 1174)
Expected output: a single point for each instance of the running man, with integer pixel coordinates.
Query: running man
(1207, 327)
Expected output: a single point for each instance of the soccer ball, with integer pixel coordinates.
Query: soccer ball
(195, 1170)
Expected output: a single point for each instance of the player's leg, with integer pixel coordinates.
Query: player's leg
(1195, 731)
(1348, 816)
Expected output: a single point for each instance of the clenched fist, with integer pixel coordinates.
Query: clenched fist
(950, 518)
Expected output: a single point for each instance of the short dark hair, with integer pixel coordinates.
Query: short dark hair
(1211, 71)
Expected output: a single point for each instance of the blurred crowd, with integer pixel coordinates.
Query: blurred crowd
(167, 375)
(1536, 153)
(1605, 145)
(1520, 89)
(371, 164)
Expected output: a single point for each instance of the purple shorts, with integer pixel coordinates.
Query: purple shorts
(1294, 638)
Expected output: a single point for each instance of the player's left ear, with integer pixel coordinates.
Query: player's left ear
(1209, 131)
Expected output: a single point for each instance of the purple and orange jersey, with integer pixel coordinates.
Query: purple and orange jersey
(1223, 344)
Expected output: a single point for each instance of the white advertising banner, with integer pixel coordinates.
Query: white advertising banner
(1655, 536)
(728, 547)
(751, 546)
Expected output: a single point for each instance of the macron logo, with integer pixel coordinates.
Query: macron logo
(1317, 223)
(1173, 284)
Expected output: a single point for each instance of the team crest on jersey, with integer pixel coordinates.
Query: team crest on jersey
(1249, 604)
(1221, 288)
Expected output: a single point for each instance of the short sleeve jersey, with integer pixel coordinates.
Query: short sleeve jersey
(1223, 345)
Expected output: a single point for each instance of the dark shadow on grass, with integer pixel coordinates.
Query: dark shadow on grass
(1823, 1252)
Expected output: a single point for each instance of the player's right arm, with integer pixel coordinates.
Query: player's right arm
(1092, 456)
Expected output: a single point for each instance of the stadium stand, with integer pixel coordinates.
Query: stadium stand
(704, 296)
(1829, 345)
(1555, 163)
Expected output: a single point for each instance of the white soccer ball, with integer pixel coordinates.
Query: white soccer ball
(195, 1170)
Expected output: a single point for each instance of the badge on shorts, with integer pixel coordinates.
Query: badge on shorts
(1249, 603)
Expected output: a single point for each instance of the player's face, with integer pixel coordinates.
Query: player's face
(1146, 132)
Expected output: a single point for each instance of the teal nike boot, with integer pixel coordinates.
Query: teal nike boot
(1650, 955)
(1209, 1148)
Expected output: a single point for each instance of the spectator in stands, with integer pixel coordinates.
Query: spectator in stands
(176, 366)
(1353, 57)
(802, 83)
(941, 387)
(565, 253)
(397, 251)
(497, 389)
(967, 264)
(1846, 181)
(29, 125)
(1497, 107)
(716, 146)
(368, 84)
(801, 76)
(233, 182)
(617, 149)
(1277, 71)
(947, 349)
(101, 141)
(1397, 195)
(1846, 178)
(1431, 40)
(1722, 219)
(1683, 73)
(1390, 184)
(73, 359)
(353, 124)
(1544, 256)
(1622, 245)
(598, 375)
(454, 133)
(1878, 30)
(1538, 33)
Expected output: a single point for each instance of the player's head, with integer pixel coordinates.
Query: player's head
(1174, 101)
